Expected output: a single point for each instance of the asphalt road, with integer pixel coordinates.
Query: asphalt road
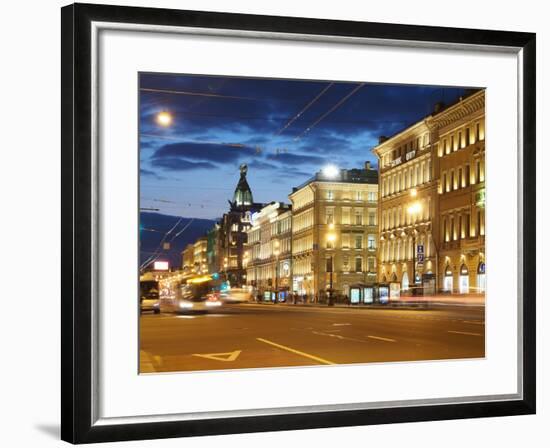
(255, 336)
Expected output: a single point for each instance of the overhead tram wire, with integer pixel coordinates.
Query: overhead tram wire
(186, 92)
(160, 244)
(306, 107)
(157, 253)
(328, 112)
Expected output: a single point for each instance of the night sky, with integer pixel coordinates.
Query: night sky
(285, 130)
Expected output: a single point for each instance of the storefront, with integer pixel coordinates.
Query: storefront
(361, 294)
(428, 284)
(448, 279)
(405, 281)
(481, 285)
(464, 280)
(383, 293)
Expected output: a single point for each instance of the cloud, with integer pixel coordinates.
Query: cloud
(176, 164)
(210, 152)
(148, 173)
(262, 165)
(296, 159)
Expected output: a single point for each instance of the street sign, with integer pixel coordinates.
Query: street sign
(420, 249)
(420, 258)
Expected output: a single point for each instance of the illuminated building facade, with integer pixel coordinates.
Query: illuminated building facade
(233, 229)
(461, 188)
(200, 261)
(432, 201)
(267, 256)
(188, 259)
(334, 232)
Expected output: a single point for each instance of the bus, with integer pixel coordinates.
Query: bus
(199, 293)
(149, 296)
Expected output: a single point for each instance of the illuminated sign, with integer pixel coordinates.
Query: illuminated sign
(160, 266)
(410, 155)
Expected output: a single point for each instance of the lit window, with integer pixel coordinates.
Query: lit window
(358, 241)
(330, 195)
(371, 241)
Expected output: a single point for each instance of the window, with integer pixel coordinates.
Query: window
(359, 195)
(371, 242)
(467, 170)
(453, 147)
(358, 264)
(444, 183)
(467, 136)
(459, 180)
(445, 230)
(345, 215)
(452, 186)
(477, 132)
(372, 218)
(345, 240)
(478, 171)
(460, 229)
(460, 145)
(330, 244)
(371, 264)
(345, 263)
(467, 231)
(358, 241)
(329, 216)
(446, 146)
(358, 217)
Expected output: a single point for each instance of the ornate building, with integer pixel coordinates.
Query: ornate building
(267, 256)
(232, 232)
(431, 201)
(334, 232)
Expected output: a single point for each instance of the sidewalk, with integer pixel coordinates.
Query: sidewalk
(422, 302)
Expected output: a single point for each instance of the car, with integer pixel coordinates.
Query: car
(236, 295)
(149, 303)
(199, 304)
(198, 297)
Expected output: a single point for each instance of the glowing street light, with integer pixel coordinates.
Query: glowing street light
(164, 119)
(331, 171)
(415, 208)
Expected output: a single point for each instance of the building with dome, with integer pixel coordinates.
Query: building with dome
(232, 230)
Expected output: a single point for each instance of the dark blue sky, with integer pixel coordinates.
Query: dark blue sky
(285, 130)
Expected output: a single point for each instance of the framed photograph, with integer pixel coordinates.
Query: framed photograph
(275, 223)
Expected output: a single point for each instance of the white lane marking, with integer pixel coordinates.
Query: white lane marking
(337, 336)
(464, 332)
(185, 317)
(381, 339)
(225, 357)
(149, 363)
(340, 325)
(297, 352)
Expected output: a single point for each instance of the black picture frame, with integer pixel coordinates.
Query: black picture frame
(77, 424)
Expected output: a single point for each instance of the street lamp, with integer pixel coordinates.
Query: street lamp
(414, 210)
(164, 119)
(276, 253)
(331, 238)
